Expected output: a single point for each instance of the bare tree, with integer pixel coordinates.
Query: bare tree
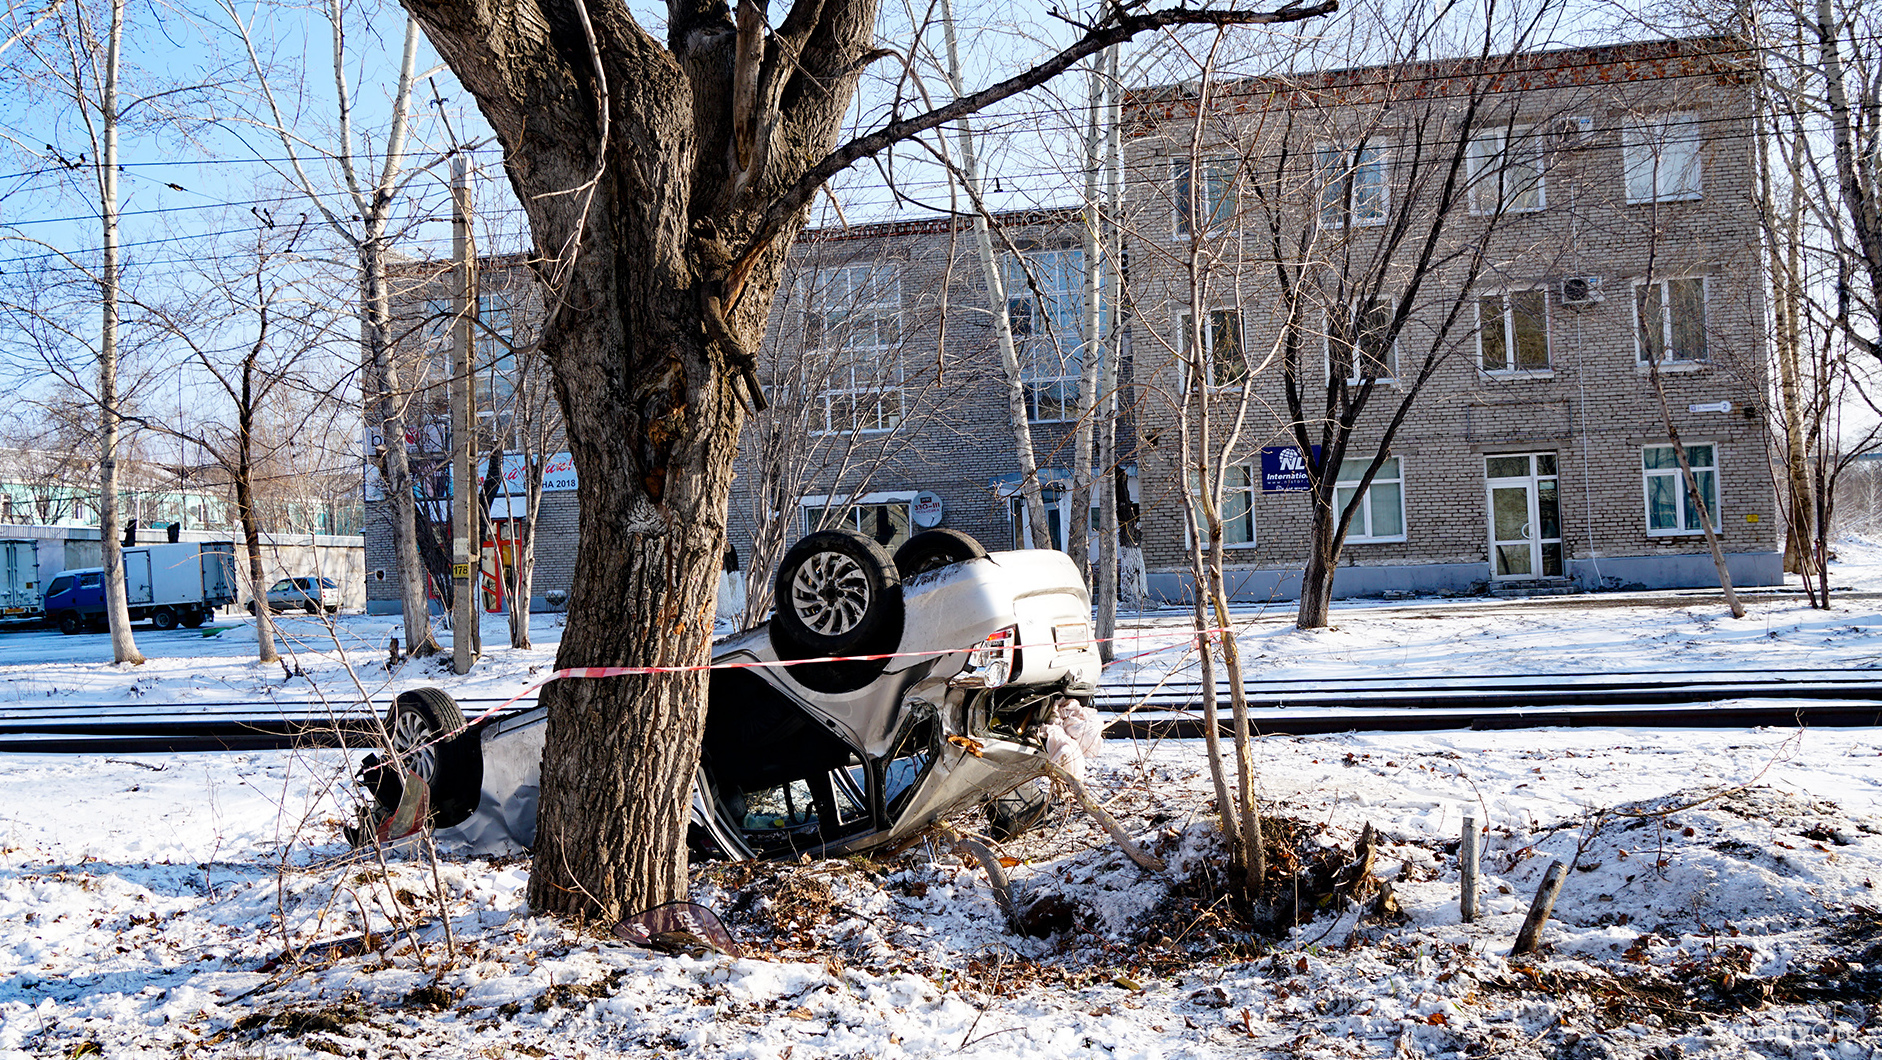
(250, 330)
(365, 213)
(663, 185)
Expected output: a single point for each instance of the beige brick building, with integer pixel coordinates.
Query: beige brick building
(890, 407)
(1601, 217)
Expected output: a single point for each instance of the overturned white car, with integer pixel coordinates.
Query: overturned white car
(990, 661)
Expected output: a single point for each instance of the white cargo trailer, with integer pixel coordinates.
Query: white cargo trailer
(19, 578)
(167, 584)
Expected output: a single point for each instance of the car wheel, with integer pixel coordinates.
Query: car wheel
(252, 609)
(453, 767)
(194, 618)
(1019, 811)
(312, 608)
(70, 624)
(934, 549)
(837, 593)
(163, 618)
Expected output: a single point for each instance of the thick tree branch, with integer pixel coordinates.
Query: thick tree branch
(799, 194)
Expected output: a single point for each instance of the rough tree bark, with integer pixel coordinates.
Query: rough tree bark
(662, 184)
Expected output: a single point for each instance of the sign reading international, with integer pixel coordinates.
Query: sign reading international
(1283, 470)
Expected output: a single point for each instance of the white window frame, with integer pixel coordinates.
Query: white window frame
(1490, 164)
(817, 503)
(1506, 323)
(1680, 497)
(1212, 368)
(1050, 357)
(1250, 488)
(1353, 377)
(1660, 158)
(1343, 170)
(1360, 530)
(1221, 192)
(493, 345)
(870, 294)
(1666, 328)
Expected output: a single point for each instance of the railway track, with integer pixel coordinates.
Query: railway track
(1165, 710)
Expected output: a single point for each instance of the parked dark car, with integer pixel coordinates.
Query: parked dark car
(822, 758)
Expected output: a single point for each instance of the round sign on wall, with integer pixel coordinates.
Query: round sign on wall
(926, 510)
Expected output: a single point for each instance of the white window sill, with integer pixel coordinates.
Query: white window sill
(1681, 533)
(1353, 539)
(1641, 368)
(1512, 374)
(1691, 196)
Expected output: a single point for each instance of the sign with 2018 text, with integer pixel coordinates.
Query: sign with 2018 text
(558, 473)
(1283, 470)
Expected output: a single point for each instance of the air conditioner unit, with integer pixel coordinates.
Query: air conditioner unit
(1581, 290)
(1578, 127)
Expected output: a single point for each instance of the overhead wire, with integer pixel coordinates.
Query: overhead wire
(1036, 182)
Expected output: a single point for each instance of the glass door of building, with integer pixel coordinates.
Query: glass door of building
(1525, 516)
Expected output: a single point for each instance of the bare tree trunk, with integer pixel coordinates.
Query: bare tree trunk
(1323, 560)
(1091, 322)
(245, 492)
(1030, 488)
(117, 606)
(1110, 351)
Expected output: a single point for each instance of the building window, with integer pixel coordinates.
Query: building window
(1381, 514)
(1670, 320)
(1239, 482)
(1506, 172)
(1361, 346)
(1352, 184)
(493, 344)
(1045, 303)
(881, 517)
(1660, 158)
(1212, 180)
(1224, 360)
(1513, 331)
(1671, 506)
(853, 320)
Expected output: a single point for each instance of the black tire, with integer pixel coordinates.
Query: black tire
(252, 609)
(195, 617)
(932, 550)
(837, 593)
(313, 607)
(454, 768)
(1019, 811)
(163, 618)
(70, 623)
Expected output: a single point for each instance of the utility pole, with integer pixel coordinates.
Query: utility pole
(465, 560)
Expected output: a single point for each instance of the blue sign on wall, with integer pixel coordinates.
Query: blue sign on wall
(1283, 470)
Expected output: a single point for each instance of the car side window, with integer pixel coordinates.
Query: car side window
(58, 586)
(90, 581)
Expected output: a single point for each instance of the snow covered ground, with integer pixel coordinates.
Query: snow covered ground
(1722, 902)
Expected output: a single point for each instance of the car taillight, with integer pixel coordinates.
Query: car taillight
(992, 660)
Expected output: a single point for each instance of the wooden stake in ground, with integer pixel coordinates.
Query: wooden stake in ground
(1467, 871)
(1539, 909)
